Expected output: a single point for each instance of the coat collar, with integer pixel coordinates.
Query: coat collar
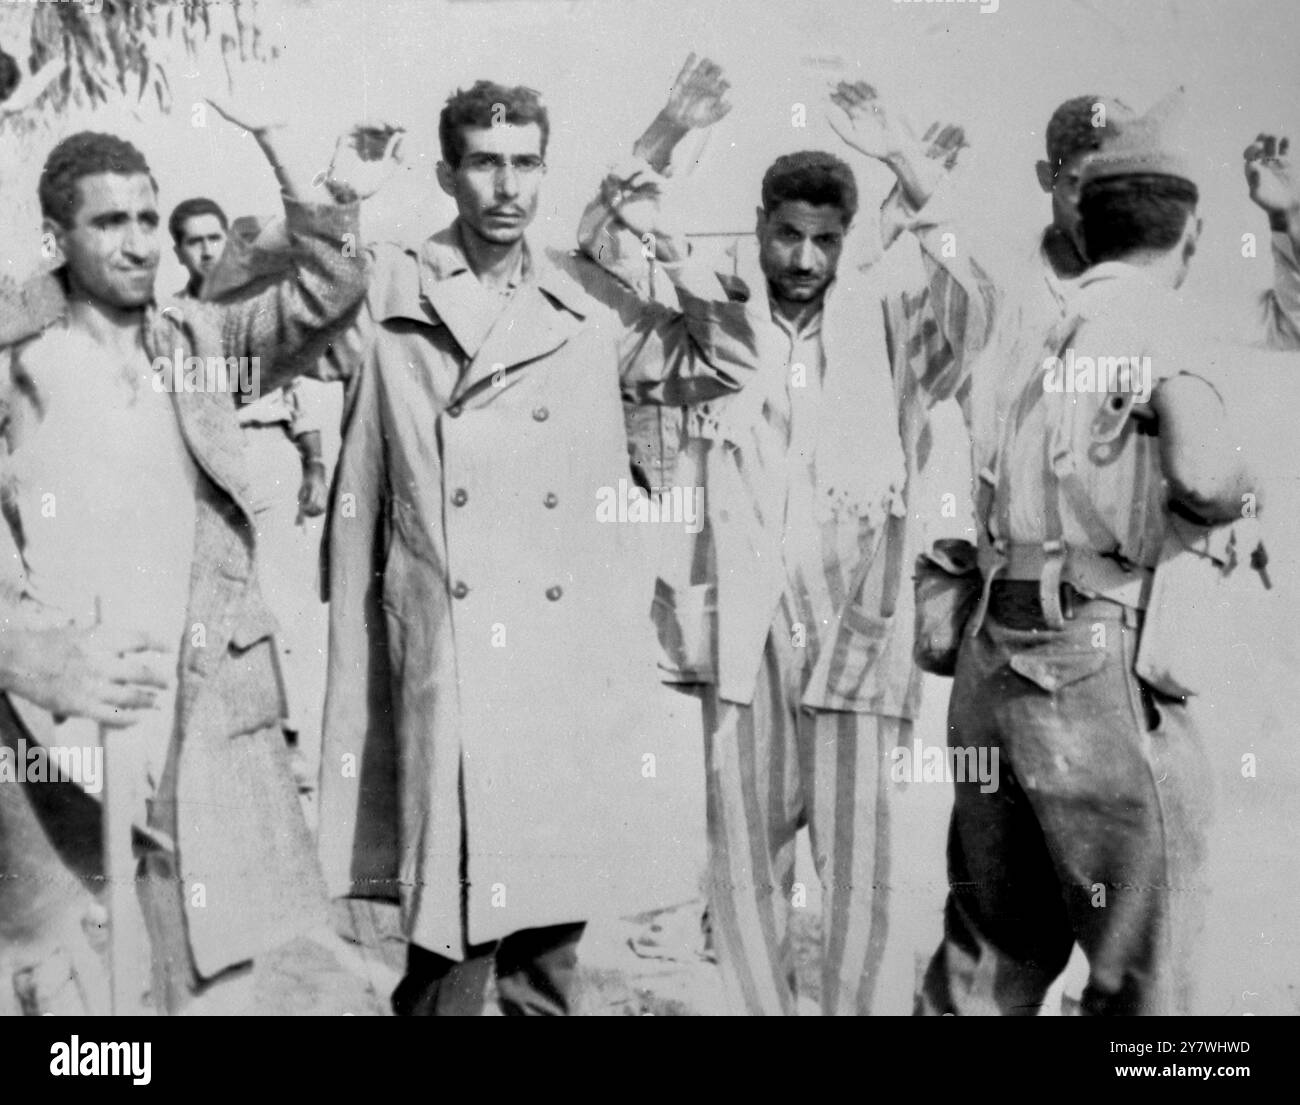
(441, 288)
(27, 309)
(206, 419)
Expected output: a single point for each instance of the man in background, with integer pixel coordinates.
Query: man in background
(279, 428)
(138, 607)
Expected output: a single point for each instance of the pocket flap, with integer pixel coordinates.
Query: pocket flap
(255, 624)
(862, 638)
(1055, 672)
(686, 619)
(953, 555)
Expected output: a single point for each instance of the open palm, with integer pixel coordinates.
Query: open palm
(1272, 176)
(864, 122)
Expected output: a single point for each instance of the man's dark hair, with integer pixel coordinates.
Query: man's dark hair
(192, 209)
(1071, 130)
(85, 153)
(813, 176)
(1124, 214)
(477, 107)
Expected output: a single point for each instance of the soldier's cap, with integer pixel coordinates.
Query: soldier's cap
(1153, 143)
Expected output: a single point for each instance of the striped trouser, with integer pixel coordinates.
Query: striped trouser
(773, 768)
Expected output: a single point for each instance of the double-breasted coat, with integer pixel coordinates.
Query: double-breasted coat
(491, 661)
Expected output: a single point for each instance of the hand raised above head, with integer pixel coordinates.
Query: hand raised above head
(364, 159)
(1272, 176)
(698, 96)
(865, 122)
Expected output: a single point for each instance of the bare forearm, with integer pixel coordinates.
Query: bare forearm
(309, 447)
(657, 143)
(917, 174)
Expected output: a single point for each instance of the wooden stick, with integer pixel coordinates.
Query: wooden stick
(128, 945)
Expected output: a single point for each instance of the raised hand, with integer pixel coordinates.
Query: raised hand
(364, 159)
(636, 202)
(945, 143)
(1272, 176)
(698, 96)
(865, 123)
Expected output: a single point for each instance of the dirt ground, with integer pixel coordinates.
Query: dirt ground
(654, 965)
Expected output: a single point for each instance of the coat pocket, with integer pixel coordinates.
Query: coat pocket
(859, 645)
(1055, 673)
(252, 686)
(686, 619)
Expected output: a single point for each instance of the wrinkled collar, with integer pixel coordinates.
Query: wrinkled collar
(1108, 271)
(442, 257)
(29, 308)
(33, 307)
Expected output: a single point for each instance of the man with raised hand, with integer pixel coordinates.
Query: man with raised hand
(287, 477)
(489, 662)
(792, 598)
(137, 605)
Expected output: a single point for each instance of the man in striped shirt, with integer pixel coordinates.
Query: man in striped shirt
(789, 608)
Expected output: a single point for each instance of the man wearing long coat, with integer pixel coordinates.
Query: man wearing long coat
(220, 835)
(490, 652)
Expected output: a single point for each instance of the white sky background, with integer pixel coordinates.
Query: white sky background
(605, 66)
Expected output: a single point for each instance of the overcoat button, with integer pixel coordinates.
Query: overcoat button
(459, 497)
(551, 499)
(453, 411)
(541, 414)
(554, 593)
(460, 590)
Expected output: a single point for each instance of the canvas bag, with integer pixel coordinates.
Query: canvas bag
(946, 587)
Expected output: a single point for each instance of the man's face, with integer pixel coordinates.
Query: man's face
(111, 248)
(202, 240)
(1065, 187)
(799, 248)
(496, 186)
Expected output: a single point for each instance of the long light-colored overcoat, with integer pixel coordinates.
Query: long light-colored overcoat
(491, 659)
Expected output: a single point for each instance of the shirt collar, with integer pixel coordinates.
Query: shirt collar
(443, 258)
(811, 328)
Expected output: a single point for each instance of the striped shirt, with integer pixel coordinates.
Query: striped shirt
(761, 453)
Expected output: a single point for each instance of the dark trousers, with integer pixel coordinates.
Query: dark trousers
(1095, 833)
(535, 970)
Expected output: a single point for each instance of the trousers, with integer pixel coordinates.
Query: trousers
(772, 768)
(1096, 832)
